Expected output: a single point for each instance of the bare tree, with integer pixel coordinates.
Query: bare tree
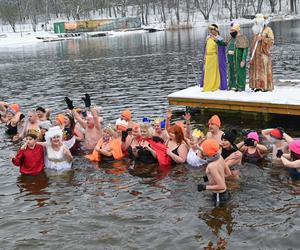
(205, 7)
(9, 12)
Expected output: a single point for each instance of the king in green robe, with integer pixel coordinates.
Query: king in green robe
(237, 51)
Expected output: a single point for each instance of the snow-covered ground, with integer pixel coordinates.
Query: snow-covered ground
(25, 35)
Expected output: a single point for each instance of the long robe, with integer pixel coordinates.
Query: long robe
(237, 75)
(214, 72)
(260, 72)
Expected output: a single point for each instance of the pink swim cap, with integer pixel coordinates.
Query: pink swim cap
(254, 136)
(295, 146)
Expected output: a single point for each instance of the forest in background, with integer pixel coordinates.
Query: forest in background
(171, 12)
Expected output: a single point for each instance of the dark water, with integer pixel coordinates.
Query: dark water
(108, 207)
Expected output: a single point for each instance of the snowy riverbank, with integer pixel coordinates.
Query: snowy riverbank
(25, 35)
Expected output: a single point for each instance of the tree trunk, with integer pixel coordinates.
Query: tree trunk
(279, 5)
(188, 11)
(163, 11)
(177, 12)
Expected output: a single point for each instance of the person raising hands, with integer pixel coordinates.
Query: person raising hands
(91, 124)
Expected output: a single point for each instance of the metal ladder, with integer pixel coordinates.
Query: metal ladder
(196, 76)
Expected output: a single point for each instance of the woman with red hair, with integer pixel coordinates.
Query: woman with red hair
(177, 148)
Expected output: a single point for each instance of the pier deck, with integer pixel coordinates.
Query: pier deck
(283, 100)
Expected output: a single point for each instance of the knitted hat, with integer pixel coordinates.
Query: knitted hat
(45, 124)
(215, 120)
(53, 131)
(33, 133)
(276, 134)
(230, 136)
(210, 147)
(127, 114)
(294, 146)
(254, 136)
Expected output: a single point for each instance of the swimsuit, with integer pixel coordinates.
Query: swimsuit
(252, 158)
(11, 130)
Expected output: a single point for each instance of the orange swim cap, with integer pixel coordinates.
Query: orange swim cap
(210, 147)
(127, 114)
(15, 107)
(215, 120)
(60, 118)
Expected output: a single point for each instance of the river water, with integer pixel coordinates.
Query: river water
(107, 207)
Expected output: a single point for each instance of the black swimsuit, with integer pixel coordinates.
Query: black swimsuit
(11, 130)
(175, 151)
(252, 158)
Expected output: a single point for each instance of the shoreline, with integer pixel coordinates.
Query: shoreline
(29, 37)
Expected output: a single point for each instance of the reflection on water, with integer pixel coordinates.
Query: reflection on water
(33, 187)
(108, 206)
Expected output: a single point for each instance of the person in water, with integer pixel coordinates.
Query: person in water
(230, 152)
(140, 149)
(70, 137)
(292, 160)
(108, 148)
(214, 131)
(275, 137)
(42, 113)
(126, 115)
(11, 121)
(44, 127)
(215, 172)
(177, 148)
(30, 158)
(194, 156)
(58, 156)
(32, 122)
(160, 129)
(252, 150)
(92, 126)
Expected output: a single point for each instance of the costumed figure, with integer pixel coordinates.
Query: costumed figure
(237, 51)
(260, 72)
(214, 74)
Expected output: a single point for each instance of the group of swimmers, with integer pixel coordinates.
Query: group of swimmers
(51, 144)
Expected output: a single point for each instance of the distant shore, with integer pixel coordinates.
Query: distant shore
(25, 36)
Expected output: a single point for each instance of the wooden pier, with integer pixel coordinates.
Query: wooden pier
(283, 100)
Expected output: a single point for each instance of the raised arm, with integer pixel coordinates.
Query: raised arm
(187, 118)
(290, 164)
(70, 105)
(97, 123)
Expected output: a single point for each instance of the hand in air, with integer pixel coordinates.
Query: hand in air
(69, 103)
(87, 100)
